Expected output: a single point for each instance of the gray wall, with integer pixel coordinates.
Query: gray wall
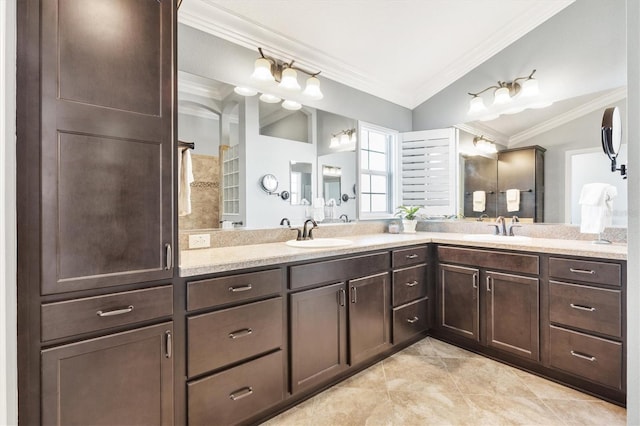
(204, 132)
(583, 43)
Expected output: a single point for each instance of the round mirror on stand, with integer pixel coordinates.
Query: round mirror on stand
(611, 133)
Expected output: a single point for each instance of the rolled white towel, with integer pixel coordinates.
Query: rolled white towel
(479, 201)
(185, 178)
(513, 200)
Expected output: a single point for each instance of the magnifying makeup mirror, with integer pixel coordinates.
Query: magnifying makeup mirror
(269, 184)
(612, 138)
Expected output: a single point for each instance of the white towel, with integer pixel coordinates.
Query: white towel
(596, 201)
(185, 178)
(513, 200)
(479, 201)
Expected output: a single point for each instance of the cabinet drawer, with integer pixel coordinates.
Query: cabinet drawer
(409, 284)
(410, 256)
(590, 357)
(71, 317)
(235, 288)
(338, 270)
(410, 319)
(585, 270)
(588, 308)
(514, 262)
(238, 393)
(220, 338)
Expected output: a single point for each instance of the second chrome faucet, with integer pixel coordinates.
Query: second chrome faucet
(501, 227)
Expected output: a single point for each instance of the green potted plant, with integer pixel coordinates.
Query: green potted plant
(408, 214)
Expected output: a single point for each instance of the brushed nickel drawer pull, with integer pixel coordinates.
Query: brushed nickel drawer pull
(241, 393)
(169, 343)
(114, 312)
(412, 256)
(582, 307)
(240, 288)
(583, 271)
(489, 284)
(412, 320)
(412, 283)
(583, 356)
(168, 256)
(475, 280)
(240, 333)
(342, 296)
(354, 295)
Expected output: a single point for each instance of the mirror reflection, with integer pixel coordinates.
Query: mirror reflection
(300, 180)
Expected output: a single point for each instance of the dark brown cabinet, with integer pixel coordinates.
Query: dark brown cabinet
(459, 302)
(107, 215)
(318, 335)
(480, 174)
(496, 309)
(513, 314)
(124, 378)
(522, 169)
(368, 317)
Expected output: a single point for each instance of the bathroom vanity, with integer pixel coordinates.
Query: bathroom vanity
(316, 316)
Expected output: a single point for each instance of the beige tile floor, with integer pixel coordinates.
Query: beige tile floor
(434, 383)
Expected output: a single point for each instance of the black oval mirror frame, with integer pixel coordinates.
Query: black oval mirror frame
(611, 132)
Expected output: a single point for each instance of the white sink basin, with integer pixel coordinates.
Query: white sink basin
(517, 239)
(319, 243)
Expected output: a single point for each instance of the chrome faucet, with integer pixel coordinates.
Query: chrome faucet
(514, 220)
(306, 234)
(500, 226)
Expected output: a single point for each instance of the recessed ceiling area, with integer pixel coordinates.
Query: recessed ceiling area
(404, 51)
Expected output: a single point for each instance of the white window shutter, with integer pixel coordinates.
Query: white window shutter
(429, 170)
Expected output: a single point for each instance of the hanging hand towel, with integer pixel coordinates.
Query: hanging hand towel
(185, 178)
(513, 200)
(596, 201)
(479, 201)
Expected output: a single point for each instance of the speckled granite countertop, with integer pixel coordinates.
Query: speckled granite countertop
(212, 260)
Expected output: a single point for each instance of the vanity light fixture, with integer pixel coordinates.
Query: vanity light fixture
(343, 137)
(509, 97)
(485, 145)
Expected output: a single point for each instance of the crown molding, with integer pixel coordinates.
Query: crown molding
(584, 109)
(478, 129)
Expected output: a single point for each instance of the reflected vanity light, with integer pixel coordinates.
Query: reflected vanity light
(343, 137)
(283, 75)
(485, 145)
(509, 97)
(291, 105)
(331, 171)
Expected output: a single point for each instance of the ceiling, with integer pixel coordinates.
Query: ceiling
(403, 51)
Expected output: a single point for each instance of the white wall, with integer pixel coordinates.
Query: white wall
(633, 265)
(8, 254)
(204, 132)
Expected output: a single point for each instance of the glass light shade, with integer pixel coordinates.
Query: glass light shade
(344, 139)
(501, 96)
(245, 91)
(291, 105)
(312, 89)
(530, 88)
(476, 106)
(334, 142)
(289, 80)
(354, 137)
(262, 70)
(270, 99)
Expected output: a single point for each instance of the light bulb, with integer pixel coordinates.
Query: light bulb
(354, 137)
(245, 91)
(344, 139)
(291, 105)
(289, 80)
(334, 142)
(312, 89)
(270, 99)
(476, 106)
(530, 88)
(262, 70)
(501, 96)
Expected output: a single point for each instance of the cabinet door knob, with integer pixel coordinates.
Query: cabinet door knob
(582, 307)
(240, 333)
(240, 288)
(114, 312)
(241, 393)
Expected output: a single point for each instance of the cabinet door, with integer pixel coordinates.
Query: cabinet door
(459, 303)
(124, 378)
(513, 314)
(318, 335)
(369, 309)
(106, 143)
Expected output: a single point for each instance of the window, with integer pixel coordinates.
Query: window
(376, 149)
